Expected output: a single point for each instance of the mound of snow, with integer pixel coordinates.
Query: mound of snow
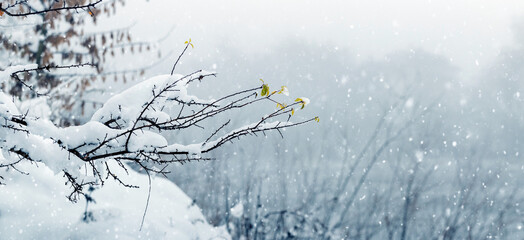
(35, 207)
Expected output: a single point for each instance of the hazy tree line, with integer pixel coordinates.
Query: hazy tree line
(407, 150)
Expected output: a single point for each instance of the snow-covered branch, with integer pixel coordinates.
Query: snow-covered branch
(134, 127)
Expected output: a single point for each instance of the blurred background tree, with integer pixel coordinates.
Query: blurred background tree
(61, 33)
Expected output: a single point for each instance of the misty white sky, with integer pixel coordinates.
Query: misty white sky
(468, 32)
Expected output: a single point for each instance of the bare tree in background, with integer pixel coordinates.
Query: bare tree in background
(52, 33)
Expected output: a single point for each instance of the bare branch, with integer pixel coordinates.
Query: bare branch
(86, 7)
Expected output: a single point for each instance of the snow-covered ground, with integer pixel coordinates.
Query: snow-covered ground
(35, 207)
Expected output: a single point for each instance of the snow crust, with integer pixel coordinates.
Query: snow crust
(7, 107)
(128, 104)
(35, 207)
(6, 73)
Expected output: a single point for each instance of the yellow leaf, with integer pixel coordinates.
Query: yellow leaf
(189, 42)
(292, 111)
(317, 119)
(192, 45)
(90, 13)
(262, 80)
(284, 90)
(302, 103)
(265, 90)
(273, 92)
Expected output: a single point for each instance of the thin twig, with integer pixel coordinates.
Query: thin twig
(179, 56)
(148, 197)
(58, 9)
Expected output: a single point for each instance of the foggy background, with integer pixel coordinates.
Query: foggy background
(420, 106)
